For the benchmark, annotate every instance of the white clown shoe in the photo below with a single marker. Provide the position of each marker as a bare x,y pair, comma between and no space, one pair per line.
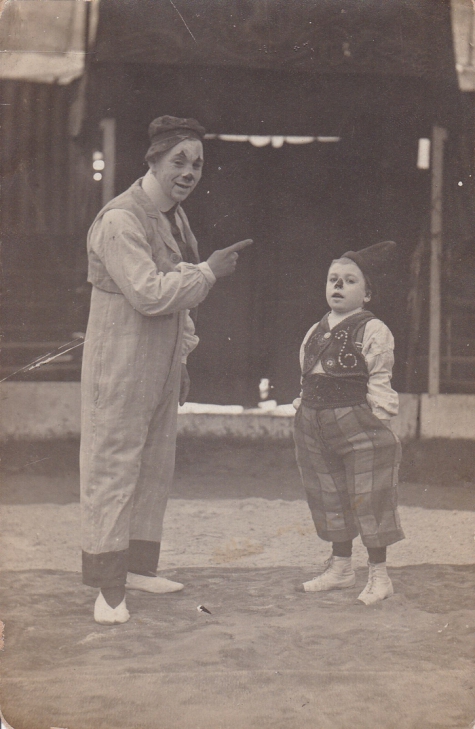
337,575
156,585
378,587
106,615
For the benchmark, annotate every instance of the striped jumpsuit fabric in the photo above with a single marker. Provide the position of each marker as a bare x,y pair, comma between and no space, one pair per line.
130,384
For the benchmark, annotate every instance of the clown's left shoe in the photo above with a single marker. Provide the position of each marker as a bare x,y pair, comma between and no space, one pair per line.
378,587
104,614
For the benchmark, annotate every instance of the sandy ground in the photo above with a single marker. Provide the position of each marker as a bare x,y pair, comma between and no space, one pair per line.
251,533
238,533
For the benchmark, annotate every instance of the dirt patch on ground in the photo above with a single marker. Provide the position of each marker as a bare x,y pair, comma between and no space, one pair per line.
268,656
238,533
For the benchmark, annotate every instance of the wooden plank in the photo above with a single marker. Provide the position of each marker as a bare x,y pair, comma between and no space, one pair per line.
8,130
49,367
108,150
459,359
460,302
459,384
33,345
57,175
415,303
43,170
26,117
439,135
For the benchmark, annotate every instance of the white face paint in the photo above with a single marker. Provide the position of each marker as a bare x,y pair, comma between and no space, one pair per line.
179,170
346,287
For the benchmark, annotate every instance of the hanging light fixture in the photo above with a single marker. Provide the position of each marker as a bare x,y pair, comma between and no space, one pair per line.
276,140
258,141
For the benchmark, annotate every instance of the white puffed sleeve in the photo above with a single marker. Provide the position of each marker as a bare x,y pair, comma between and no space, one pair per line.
378,351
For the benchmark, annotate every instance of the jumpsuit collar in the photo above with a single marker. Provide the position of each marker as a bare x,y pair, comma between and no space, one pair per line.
153,212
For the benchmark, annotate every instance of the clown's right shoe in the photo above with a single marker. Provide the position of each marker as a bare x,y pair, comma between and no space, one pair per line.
156,585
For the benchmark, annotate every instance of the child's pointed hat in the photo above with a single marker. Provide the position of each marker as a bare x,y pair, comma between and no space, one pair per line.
373,260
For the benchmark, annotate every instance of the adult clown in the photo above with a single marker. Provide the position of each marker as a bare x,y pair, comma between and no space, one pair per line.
146,277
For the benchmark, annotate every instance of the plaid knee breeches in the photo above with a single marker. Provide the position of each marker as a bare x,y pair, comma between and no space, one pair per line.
348,460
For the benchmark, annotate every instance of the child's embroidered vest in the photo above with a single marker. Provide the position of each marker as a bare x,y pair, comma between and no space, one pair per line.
345,376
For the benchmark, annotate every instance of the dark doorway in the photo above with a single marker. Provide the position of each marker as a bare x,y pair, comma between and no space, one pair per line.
302,204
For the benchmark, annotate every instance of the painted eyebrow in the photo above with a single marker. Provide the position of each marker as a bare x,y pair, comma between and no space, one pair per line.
182,157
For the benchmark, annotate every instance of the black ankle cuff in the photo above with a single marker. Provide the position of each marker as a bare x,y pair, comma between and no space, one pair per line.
143,557
113,595
376,555
342,549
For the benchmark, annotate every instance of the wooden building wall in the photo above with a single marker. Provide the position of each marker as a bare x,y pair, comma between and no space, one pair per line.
47,199
302,205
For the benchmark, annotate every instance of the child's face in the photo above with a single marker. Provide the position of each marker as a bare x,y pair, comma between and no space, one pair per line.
346,287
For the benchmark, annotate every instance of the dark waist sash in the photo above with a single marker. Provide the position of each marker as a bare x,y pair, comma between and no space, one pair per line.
323,391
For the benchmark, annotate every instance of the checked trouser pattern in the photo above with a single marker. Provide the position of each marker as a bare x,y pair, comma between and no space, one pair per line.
348,460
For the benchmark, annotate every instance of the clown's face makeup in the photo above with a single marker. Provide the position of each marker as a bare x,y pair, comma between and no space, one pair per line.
346,287
179,170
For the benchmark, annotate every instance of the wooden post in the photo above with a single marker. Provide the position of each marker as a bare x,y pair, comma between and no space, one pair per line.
108,150
439,136
414,310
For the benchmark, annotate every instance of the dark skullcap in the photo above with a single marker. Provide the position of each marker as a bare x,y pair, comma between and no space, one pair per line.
374,262
168,131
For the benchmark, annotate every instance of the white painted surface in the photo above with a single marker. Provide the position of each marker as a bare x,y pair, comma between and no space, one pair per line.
463,29
251,425
41,410
198,408
448,416
405,425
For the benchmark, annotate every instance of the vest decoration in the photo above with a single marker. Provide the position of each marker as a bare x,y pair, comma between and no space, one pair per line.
344,379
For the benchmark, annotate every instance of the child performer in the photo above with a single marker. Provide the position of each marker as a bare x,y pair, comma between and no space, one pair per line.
347,454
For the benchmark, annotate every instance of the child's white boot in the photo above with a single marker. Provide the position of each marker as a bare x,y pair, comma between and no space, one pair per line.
338,575
378,587
107,615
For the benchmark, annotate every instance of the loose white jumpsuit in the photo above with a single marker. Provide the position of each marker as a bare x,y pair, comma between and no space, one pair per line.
139,327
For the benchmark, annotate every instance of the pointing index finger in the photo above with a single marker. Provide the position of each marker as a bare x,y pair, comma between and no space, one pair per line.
240,245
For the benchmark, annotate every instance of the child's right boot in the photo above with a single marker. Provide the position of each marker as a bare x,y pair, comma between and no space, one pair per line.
337,575
379,585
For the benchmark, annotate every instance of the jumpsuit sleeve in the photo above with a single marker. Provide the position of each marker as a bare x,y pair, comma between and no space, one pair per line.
378,351
190,340
120,242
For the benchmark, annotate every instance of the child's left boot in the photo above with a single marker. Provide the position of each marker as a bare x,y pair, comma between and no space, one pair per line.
378,587
337,575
